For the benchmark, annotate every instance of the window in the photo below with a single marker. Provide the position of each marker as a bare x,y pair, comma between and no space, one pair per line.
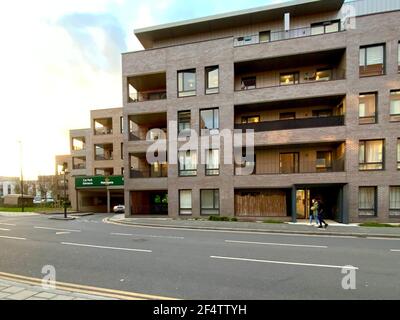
372,60
394,200
212,80
104,172
395,105
121,124
209,200
79,163
187,83
212,162
367,201
289,78
78,144
265,36
187,163
324,161
398,154
250,119
371,155
104,151
184,121
398,57
323,75
209,120
325,27
287,116
289,163
185,202
249,83
325,113
122,151
367,108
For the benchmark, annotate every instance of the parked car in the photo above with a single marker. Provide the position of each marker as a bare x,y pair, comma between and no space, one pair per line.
37,200
48,200
119,209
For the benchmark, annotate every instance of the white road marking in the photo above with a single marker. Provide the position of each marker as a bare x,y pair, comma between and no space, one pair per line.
395,250
55,229
1,229
286,263
377,238
103,247
12,238
238,232
8,224
276,244
60,233
145,235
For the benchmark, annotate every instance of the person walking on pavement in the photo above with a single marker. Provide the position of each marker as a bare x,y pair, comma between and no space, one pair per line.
314,212
321,212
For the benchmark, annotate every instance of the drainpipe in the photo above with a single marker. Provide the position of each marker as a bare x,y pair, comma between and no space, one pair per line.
294,213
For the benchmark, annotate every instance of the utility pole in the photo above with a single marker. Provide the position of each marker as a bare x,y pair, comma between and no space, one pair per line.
65,189
21,177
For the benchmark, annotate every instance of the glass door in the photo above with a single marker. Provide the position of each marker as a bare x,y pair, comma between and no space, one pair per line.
303,204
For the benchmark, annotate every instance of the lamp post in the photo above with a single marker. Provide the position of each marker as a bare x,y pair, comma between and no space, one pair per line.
64,171
21,177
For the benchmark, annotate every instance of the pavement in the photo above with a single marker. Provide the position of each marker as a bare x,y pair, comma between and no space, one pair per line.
100,258
334,229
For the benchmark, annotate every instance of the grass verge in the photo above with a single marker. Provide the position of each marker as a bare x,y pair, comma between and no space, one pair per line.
378,225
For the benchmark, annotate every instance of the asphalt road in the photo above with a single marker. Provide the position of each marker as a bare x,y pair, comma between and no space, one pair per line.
194,264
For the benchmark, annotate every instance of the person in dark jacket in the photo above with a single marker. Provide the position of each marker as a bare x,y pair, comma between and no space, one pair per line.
321,213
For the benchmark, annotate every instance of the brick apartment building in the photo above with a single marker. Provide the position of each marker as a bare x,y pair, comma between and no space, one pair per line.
320,88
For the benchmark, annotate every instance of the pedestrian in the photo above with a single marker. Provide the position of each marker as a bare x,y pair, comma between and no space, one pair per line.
314,212
321,212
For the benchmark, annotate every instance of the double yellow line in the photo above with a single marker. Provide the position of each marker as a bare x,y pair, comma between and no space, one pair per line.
93,291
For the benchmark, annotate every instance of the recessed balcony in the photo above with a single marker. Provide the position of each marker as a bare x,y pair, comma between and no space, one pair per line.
141,168
147,87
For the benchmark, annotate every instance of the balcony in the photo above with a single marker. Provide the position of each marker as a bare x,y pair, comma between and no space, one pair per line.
103,152
103,126
291,114
147,87
145,127
286,71
141,168
304,159
266,36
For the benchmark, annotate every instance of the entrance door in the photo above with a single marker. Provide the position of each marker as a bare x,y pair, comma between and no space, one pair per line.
303,203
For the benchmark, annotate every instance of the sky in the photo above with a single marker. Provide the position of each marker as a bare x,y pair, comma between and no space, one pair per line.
59,59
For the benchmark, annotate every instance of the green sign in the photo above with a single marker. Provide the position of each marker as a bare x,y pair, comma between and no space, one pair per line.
99,182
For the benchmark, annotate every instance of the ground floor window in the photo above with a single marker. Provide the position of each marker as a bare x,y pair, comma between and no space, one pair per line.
367,201
395,201
185,202
209,201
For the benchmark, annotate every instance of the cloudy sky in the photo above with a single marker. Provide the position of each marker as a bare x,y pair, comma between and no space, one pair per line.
61,58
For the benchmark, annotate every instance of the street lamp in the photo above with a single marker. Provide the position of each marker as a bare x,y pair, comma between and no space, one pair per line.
64,171
21,177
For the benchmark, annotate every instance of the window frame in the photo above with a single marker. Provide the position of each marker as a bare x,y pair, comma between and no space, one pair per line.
375,209
181,210
364,163
325,24
180,171
186,93
375,117
204,131
398,153
296,78
211,90
395,117
190,122
212,171
202,210
365,48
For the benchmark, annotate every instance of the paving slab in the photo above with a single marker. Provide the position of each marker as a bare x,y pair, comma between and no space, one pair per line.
23,295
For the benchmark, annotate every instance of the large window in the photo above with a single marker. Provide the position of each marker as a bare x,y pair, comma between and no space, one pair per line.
372,60
209,200
212,162
187,163
185,202
371,155
325,27
395,105
289,162
184,120
209,120
394,201
367,201
78,143
187,83
289,78
324,161
212,80
367,108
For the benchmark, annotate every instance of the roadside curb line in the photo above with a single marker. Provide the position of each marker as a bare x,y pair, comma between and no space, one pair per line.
357,235
82,289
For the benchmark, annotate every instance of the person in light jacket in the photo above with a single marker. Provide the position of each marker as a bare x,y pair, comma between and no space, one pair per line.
314,212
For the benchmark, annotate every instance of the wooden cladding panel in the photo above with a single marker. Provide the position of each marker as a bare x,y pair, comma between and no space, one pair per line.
265,203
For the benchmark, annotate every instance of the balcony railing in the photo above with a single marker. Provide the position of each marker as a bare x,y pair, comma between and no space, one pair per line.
147,96
276,36
142,135
103,131
150,172
317,122
79,166
276,167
